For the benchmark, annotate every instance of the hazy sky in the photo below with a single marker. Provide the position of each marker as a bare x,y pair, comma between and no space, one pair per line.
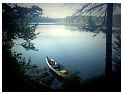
58,10
55,10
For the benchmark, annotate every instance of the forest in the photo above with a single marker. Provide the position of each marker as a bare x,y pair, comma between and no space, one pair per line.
81,20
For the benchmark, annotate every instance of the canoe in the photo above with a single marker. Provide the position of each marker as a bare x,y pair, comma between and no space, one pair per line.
57,67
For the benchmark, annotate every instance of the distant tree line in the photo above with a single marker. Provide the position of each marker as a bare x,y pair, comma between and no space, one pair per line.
47,20
80,20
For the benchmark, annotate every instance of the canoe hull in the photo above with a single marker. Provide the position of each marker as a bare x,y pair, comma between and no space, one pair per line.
58,72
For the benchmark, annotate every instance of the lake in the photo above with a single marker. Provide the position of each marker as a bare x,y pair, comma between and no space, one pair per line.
76,49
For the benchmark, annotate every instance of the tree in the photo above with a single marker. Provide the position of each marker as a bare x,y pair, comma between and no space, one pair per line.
16,23
106,10
108,65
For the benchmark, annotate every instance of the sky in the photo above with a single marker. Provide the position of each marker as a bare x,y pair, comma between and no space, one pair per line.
55,10
58,10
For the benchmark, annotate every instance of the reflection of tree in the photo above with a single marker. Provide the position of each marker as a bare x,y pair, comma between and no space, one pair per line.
16,21
106,10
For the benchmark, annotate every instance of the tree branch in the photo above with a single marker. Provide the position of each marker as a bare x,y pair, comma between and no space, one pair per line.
87,10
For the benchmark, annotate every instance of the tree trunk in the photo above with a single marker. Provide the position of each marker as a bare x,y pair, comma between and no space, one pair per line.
108,65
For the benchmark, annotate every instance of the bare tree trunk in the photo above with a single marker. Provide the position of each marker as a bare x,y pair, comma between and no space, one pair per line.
108,65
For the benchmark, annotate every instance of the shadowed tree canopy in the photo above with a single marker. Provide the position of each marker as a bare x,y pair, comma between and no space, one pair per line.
16,23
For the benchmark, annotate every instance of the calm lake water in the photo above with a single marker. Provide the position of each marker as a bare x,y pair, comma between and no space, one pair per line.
75,49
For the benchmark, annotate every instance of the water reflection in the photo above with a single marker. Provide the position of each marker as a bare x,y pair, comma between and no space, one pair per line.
77,51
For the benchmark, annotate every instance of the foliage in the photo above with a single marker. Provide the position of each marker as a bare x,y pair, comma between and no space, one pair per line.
22,63
28,46
97,11
14,78
117,52
94,84
72,81
16,23
80,20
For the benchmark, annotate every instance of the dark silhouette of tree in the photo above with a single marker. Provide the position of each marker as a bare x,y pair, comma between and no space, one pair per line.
16,23
108,65
106,10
